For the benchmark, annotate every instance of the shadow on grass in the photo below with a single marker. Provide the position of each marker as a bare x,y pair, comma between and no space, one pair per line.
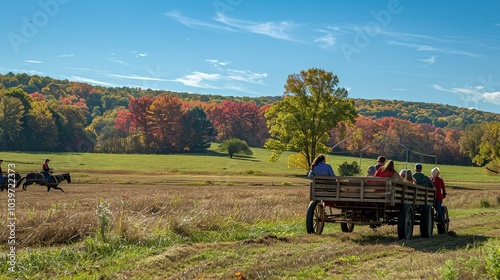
460,188
226,155
245,158
436,243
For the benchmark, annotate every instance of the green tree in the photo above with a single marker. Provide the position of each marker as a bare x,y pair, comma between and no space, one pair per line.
470,140
489,149
42,129
197,131
235,146
70,122
20,94
312,105
349,169
11,113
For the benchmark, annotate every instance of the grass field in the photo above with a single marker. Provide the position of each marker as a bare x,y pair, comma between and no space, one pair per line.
211,217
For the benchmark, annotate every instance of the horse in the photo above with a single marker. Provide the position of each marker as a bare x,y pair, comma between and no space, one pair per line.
9,179
52,182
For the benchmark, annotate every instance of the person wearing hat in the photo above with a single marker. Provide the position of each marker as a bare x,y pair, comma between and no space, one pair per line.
420,179
46,170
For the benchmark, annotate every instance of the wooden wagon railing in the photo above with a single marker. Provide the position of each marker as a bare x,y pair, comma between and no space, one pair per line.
369,190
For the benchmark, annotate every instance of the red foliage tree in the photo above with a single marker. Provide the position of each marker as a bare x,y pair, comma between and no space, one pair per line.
164,117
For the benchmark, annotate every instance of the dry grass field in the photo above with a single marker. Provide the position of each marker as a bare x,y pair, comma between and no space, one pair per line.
113,225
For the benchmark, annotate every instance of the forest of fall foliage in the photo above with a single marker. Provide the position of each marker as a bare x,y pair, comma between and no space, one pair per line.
45,114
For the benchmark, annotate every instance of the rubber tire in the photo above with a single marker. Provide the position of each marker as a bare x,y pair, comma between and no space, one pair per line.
406,220
315,217
444,227
347,227
426,221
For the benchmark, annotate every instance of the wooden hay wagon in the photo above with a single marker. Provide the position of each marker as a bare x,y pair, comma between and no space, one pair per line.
372,201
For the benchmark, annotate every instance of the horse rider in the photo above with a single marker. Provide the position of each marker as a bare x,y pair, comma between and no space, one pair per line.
46,170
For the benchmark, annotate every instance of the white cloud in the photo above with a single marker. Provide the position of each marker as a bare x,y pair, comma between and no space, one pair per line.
217,63
245,76
193,23
429,61
325,41
117,61
33,61
140,54
278,30
135,77
199,79
79,68
472,95
230,79
492,97
399,89
92,81
66,55
420,47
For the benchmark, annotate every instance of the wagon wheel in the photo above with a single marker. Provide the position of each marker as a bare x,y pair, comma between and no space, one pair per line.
346,227
405,222
426,221
444,226
315,218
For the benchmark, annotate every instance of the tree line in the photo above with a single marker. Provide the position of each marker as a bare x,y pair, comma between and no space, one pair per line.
44,114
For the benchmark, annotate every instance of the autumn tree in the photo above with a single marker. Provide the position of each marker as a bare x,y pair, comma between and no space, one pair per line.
242,120
164,117
312,105
138,108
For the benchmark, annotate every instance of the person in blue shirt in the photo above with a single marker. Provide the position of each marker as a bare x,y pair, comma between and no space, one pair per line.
319,167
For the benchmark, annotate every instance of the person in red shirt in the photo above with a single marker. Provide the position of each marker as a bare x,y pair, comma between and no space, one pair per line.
46,169
440,191
388,171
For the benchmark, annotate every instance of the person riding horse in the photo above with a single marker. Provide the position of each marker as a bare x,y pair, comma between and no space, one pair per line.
47,171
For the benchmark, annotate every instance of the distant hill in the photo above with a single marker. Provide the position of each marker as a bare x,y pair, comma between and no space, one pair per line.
439,115
106,98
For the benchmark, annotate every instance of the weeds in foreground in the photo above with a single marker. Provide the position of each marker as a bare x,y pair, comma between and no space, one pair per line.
129,226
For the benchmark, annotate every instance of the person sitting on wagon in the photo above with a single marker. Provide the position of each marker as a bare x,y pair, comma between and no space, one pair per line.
420,179
388,171
370,172
440,191
380,162
319,167
406,176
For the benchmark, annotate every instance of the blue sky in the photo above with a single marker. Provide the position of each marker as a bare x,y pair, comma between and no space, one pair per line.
444,52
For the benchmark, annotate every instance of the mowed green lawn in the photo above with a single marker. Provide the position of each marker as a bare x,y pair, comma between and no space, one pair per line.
215,163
